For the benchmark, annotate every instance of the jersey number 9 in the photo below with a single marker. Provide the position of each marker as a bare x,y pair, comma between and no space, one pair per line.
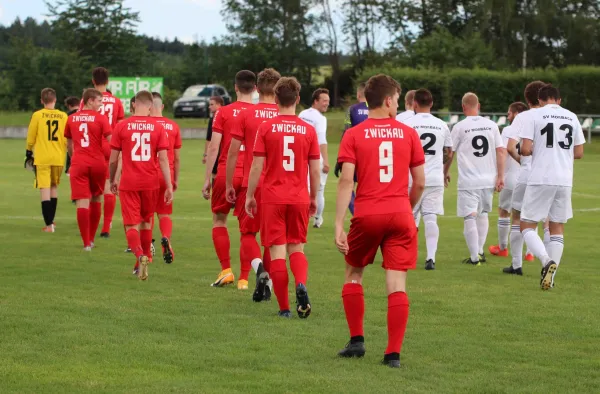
386,160
481,146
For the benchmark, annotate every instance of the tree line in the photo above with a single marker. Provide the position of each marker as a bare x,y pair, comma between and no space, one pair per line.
297,37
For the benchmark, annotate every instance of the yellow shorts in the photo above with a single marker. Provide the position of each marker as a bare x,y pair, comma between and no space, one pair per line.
47,176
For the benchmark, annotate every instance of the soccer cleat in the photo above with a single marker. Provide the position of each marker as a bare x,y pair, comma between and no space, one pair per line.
87,249
152,248
128,250
318,222
303,303
267,296
547,281
225,278
429,265
92,245
287,314
262,278
529,257
513,271
391,360
482,258
48,229
242,284
136,268
168,255
104,235
143,269
469,261
356,349
496,251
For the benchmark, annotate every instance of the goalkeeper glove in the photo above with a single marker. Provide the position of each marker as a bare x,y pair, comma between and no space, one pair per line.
28,160
337,170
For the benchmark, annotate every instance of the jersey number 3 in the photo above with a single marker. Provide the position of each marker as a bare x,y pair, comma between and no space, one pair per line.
141,150
386,160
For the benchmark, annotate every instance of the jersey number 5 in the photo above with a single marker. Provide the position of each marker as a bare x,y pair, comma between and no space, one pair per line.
288,154
141,150
386,160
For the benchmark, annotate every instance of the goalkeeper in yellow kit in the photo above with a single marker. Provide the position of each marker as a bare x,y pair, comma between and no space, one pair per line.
46,150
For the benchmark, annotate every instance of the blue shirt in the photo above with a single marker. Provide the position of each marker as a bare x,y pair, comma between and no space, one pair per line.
356,114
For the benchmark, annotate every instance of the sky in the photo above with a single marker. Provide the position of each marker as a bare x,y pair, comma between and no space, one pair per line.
188,20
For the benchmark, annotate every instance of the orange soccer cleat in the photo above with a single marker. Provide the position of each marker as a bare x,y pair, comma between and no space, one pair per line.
529,257
496,251
48,229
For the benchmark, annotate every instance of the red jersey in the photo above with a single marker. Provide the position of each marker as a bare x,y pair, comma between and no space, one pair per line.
112,108
245,130
287,143
223,124
383,151
139,139
88,130
174,137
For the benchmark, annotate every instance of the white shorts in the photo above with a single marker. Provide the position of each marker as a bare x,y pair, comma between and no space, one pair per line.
517,196
505,199
322,181
431,202
543,201
469,201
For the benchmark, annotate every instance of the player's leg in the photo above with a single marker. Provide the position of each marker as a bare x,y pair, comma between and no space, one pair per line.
220,236
165,223
55,174
467,205
296,230
486,197
546,232
148,200
110,202
560,212
432,205
83,221
318,220
279,275
516,238
43,183
273,236
131,208
96,186
81,193
504,208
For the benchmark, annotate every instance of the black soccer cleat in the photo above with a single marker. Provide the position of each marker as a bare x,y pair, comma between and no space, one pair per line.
513,271
353,349
303,303
168,255
469,261
128,250
429,265
262,278
482,258
391,360
547,281
104,235
267,296
286,314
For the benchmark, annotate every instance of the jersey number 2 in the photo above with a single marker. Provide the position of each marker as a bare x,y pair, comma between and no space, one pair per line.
141,150
386,160
429,143
52,129
288,154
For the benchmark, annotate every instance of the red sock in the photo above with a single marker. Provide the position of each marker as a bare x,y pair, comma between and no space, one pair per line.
220,238
83,220
299,267
267,260
110,201
249,250
95,214
152,223
166,226
279,275
397,317
354,307
146,241
134,242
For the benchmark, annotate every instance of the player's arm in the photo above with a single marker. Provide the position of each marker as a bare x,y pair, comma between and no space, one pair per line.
257,166
418,184
113,164
315,179
32,131
176,166
163,161
232,156
578,141
526,147
344,195
513,151
213,151
70,147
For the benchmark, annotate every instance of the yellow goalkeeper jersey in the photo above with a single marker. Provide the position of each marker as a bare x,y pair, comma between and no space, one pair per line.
46,137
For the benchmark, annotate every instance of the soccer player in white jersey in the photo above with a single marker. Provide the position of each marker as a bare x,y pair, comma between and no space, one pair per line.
553,141
478,146
510,179
519,122
437,146
314,116
408,106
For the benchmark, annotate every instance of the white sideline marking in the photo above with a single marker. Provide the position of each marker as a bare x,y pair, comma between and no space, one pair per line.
584,195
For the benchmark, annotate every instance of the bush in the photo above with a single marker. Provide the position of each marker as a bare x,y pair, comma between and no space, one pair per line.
579,89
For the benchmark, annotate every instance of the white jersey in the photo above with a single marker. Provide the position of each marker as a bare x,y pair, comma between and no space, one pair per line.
475,140
435,136
522,122
315,118
512,168
555,133
403,116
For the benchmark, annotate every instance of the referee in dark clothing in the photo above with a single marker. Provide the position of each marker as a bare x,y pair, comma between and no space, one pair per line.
72,105
216,102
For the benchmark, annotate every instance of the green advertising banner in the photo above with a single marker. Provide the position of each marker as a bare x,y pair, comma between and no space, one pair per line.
125,88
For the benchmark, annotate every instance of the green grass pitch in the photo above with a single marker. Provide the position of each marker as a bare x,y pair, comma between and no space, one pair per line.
80,322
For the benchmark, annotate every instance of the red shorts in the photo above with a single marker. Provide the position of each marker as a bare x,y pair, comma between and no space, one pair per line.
161,207
249,225
218,201
395,233
137,206
107,170
283,224
86,181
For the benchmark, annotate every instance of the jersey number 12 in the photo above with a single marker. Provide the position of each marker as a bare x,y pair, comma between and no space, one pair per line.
52,129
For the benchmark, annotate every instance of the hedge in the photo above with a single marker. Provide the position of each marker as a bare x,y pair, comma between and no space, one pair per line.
579,86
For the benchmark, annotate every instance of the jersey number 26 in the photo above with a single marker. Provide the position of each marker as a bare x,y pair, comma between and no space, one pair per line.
141,150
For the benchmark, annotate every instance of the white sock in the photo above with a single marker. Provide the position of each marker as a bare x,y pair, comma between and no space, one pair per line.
432,235
516,246
503,230
472,238
555,248
320,202
483,225
535,244
546,237
255,263
417,219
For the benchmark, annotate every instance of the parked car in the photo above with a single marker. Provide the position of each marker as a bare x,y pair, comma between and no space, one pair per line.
194,101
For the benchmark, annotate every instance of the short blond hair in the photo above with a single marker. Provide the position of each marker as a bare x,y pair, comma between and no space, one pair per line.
470,100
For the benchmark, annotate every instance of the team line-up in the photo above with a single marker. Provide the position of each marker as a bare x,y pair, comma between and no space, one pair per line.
257,163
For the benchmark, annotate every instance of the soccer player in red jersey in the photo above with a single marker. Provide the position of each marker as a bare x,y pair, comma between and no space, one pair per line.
164,210
285,148
244,133
86,130
382,151
112,108
225,118
139,140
